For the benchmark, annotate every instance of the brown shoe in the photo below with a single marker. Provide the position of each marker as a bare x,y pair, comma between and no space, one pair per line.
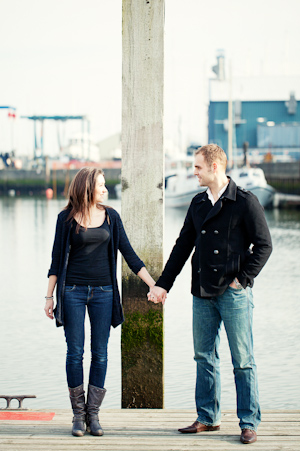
248,436
198,427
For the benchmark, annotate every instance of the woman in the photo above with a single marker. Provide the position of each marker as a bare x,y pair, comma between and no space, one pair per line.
83,269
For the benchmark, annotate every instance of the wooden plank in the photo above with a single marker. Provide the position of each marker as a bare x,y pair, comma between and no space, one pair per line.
111,436
148,430
66,431
155,426
224,446
124,417
147,421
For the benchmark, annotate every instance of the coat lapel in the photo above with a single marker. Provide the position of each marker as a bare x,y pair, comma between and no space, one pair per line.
214,211
230,193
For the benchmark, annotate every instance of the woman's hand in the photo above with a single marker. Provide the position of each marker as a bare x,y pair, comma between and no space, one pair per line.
145,276
157,294
49,308
49,298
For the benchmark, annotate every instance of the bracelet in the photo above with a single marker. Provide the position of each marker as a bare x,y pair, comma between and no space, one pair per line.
48,297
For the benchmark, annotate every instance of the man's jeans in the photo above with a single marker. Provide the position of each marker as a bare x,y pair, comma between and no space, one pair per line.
234,308
99,301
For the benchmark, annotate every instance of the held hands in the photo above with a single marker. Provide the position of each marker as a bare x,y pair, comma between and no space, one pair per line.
157,294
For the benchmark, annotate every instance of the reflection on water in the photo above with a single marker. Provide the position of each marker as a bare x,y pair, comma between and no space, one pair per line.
33,349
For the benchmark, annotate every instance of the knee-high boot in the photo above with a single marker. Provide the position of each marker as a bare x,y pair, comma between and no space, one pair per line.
79,410
94,401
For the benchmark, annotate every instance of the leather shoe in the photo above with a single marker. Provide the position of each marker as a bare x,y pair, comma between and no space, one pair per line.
248,436
198,427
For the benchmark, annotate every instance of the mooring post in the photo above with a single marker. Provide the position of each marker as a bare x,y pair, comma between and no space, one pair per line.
142,198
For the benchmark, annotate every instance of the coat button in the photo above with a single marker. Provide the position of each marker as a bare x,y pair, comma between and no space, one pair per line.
216,232
215,270
216,251
203,232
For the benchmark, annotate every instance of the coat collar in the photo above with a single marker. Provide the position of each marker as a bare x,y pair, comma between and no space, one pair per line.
230,192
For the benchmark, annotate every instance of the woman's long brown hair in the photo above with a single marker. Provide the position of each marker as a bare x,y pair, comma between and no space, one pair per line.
81,194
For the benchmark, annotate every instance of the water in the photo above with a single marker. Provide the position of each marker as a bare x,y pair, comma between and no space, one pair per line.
32,354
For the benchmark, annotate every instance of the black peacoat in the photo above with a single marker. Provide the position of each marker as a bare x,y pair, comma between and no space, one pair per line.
230,239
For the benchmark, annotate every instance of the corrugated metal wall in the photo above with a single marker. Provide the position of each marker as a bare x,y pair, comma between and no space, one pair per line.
287,135
274,111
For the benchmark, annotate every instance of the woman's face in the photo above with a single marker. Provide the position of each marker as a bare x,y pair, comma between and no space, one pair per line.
100,189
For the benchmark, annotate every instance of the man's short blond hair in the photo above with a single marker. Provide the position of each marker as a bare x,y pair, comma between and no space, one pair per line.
213,153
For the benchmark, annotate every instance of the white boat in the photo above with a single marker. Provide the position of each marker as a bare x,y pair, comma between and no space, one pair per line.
118,190
180,188
181,185
253,179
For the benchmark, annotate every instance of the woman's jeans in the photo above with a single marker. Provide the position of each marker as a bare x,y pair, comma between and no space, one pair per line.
99,301
234,307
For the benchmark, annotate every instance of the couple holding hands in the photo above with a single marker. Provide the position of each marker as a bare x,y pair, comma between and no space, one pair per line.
226,229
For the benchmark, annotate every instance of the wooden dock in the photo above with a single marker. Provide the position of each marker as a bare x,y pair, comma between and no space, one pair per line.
149,430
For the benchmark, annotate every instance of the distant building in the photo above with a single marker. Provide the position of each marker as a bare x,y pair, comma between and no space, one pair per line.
82,146
265,115
268,126
111,148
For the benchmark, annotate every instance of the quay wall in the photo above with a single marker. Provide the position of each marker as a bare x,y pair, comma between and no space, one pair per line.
37,181
284,177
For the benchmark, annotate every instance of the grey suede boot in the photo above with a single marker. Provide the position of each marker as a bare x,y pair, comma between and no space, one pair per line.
79,410
94,401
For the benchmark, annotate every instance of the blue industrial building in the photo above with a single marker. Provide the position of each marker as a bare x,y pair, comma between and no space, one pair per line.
270,127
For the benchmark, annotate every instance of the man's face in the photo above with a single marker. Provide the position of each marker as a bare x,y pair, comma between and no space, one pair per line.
204,173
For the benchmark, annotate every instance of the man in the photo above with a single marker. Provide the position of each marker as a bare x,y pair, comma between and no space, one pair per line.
226,227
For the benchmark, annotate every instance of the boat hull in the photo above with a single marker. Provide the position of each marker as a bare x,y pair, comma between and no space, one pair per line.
181,199
265,195
176,200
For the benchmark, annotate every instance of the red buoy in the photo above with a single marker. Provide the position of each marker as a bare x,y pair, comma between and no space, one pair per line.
49,193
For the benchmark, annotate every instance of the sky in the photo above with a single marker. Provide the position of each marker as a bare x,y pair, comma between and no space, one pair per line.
64,57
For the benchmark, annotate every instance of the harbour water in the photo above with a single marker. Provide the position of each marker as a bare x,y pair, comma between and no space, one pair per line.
32,349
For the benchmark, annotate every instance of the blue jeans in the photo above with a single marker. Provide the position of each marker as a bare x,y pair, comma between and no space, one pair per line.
99,301
235,308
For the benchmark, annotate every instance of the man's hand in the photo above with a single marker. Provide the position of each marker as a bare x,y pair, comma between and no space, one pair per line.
157,294
234,285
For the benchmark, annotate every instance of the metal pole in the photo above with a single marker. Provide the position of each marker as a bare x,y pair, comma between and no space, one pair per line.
89,138
230,159
82,138
42,138
35,140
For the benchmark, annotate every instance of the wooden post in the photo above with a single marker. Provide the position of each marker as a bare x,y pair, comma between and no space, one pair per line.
142,198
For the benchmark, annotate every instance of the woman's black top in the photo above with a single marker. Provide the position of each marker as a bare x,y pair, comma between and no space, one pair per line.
61,253
89,261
